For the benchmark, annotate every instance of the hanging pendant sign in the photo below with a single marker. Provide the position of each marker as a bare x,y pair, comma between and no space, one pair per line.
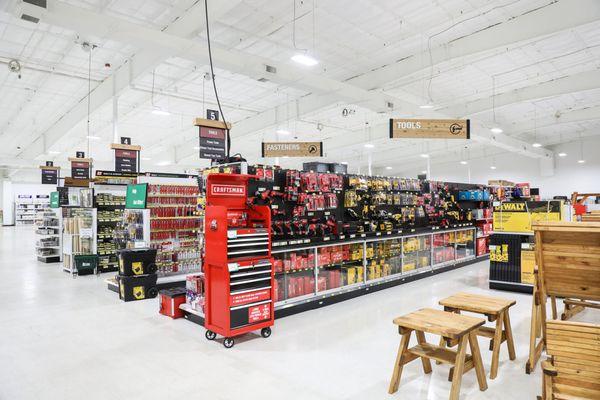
212,138
430,129
127,156
292,149
50,174
80,167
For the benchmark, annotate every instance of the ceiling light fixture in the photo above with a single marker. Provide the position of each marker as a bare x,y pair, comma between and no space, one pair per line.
344,162
146,158
283,132
388,168
92,137
562,154
581,161
536,144
163,163
53,152
424,155
160,111
496,129
427,106
369,145
304,59
463,162
424,171
493,167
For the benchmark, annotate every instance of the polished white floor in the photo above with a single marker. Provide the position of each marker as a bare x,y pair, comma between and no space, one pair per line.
64,338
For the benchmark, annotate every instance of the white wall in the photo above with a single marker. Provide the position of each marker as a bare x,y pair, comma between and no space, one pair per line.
569,176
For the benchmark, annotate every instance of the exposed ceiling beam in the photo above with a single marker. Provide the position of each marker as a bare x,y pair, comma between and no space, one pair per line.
546,20
97,25
583,81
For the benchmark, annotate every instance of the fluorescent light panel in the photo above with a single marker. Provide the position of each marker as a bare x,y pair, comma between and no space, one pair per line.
305,60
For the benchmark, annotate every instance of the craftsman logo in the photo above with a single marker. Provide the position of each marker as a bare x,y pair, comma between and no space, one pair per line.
228,190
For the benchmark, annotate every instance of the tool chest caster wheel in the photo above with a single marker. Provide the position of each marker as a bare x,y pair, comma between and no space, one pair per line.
265,332
228,343
210,335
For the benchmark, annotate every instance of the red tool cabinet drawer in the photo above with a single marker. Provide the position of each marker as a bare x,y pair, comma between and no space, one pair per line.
250,314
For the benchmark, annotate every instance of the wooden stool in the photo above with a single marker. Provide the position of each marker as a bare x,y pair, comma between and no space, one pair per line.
451,327
495,309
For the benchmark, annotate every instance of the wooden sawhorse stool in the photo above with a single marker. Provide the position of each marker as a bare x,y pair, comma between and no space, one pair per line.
450,326
495,309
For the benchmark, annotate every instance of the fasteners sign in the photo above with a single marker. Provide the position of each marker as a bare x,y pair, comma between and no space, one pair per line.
292,149
430,129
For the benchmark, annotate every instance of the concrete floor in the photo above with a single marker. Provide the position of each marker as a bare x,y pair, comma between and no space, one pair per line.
64,338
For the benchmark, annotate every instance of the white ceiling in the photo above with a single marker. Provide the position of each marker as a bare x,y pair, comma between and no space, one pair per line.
409,52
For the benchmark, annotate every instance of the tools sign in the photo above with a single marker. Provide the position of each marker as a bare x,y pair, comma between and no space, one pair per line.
212,136
430,128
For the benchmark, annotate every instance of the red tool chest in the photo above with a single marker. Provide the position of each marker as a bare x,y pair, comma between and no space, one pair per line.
237,265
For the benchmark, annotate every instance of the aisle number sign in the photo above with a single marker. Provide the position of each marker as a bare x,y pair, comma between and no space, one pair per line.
430,128
136,196
292,149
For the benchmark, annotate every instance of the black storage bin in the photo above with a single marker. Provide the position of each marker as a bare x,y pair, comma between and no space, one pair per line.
86,264
315,166
140,287
338,168
135,262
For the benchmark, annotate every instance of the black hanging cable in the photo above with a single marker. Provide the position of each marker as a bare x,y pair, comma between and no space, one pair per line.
88,98
212,73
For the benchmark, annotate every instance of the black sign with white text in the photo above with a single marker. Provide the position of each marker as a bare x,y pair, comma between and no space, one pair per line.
49,176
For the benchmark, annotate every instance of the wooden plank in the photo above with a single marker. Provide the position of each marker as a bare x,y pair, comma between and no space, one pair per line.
211,123
435,352
84,160
477,303
448,325
578,327
399,364
119,146
458,369
425,361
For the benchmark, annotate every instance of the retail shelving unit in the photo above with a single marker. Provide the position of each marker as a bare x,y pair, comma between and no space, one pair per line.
49,237
169,222
27,207
78,235
109,200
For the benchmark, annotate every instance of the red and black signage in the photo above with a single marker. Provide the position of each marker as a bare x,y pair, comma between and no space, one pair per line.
212,143
80,170
126,160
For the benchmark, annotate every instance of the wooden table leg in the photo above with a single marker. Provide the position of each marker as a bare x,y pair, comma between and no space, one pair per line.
426,362
554,309
458,368
509,336
476,355
496,349
395,382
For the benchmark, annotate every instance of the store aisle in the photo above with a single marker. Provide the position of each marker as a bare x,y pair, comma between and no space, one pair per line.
64,338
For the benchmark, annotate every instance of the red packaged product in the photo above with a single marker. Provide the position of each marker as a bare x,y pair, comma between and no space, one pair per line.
322,283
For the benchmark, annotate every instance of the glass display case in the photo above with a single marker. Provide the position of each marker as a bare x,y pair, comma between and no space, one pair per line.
312,272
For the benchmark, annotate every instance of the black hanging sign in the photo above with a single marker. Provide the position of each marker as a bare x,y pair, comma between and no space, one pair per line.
80,170
49,174
79,154
49,163
212,138
213,115
125,160
126,155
